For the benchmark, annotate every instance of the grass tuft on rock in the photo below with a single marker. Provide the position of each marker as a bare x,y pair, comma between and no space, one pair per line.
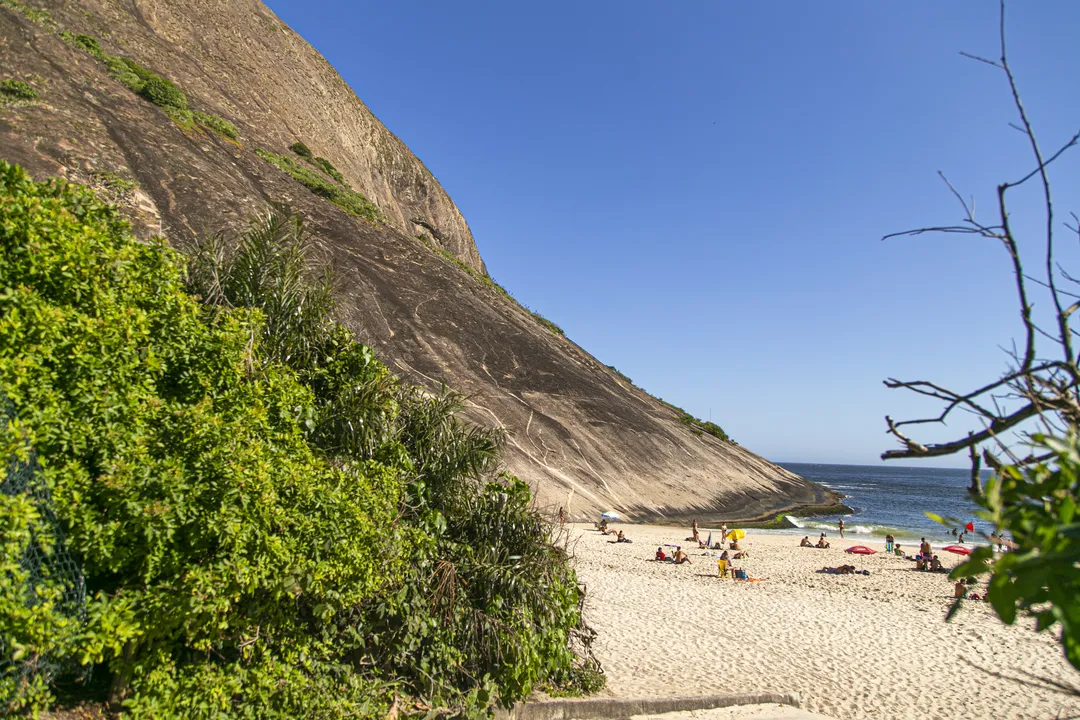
16,92
217,124
341,195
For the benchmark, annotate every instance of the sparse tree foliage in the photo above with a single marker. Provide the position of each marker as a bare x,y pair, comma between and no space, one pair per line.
1034,493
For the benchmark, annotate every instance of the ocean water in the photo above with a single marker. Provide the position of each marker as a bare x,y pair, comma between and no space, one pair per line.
889,498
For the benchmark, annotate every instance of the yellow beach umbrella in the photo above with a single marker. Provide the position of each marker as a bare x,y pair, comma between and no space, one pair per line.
736,534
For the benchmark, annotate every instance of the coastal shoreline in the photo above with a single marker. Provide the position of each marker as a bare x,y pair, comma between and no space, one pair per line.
853,646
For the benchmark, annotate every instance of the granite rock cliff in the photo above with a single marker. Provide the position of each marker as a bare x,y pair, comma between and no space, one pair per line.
579,432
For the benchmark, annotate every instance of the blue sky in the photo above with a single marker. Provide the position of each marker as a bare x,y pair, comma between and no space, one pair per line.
696,191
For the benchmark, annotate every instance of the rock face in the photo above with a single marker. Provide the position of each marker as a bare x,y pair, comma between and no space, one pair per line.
579,433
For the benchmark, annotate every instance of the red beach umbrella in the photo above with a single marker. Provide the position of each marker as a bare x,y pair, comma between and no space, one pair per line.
957,549
860,550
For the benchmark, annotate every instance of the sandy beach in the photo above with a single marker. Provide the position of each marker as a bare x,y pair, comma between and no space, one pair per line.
853,646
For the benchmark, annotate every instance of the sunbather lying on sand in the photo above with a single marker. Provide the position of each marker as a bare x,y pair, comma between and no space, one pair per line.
843,570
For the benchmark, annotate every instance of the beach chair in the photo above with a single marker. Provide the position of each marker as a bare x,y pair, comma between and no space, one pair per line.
722,566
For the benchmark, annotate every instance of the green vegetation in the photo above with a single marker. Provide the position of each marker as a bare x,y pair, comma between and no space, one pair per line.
699,427
330,170
16,92
216,124
1037,506
303,151
157,89
33,14
267,522
343,196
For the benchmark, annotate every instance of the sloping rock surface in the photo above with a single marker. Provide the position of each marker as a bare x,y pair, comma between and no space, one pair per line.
579,433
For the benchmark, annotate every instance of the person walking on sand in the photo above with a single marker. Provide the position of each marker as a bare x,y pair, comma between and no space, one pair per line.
841,526
562,516
694,536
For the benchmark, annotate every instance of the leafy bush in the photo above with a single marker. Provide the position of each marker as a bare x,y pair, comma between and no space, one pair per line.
330,170
302,150
1038,506
344,197
464,610
270,525
17,90
84,42
145,82
217,124
219,546
163,93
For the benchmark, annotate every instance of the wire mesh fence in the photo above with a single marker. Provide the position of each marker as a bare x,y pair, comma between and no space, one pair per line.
45,560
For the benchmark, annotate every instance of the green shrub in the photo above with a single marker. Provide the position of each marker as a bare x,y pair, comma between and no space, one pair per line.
84,42
224,556
344,197
302,150
1038,506
326,167
33,14
17,90
162,93
462,611
269,524
217,124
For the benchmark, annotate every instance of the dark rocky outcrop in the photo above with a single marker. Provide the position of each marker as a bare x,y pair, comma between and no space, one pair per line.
575,425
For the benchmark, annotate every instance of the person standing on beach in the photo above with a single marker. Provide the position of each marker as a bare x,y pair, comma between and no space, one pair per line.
924,548
723,532
562,516
889,540
841,525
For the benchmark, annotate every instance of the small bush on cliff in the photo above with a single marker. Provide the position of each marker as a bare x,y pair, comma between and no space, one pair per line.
16,91
343,196
217,124
302,150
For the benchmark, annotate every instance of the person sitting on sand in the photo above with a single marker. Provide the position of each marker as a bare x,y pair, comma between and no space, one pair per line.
889,540
920,563
959,589
621,539
898,551
681,557
735,545
660,554
935,565
822,542
806,542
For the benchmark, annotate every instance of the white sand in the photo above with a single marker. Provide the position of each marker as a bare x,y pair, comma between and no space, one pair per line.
853,646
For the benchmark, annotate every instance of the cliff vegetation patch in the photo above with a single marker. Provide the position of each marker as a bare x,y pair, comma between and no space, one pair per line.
153,87
341,194
16,92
